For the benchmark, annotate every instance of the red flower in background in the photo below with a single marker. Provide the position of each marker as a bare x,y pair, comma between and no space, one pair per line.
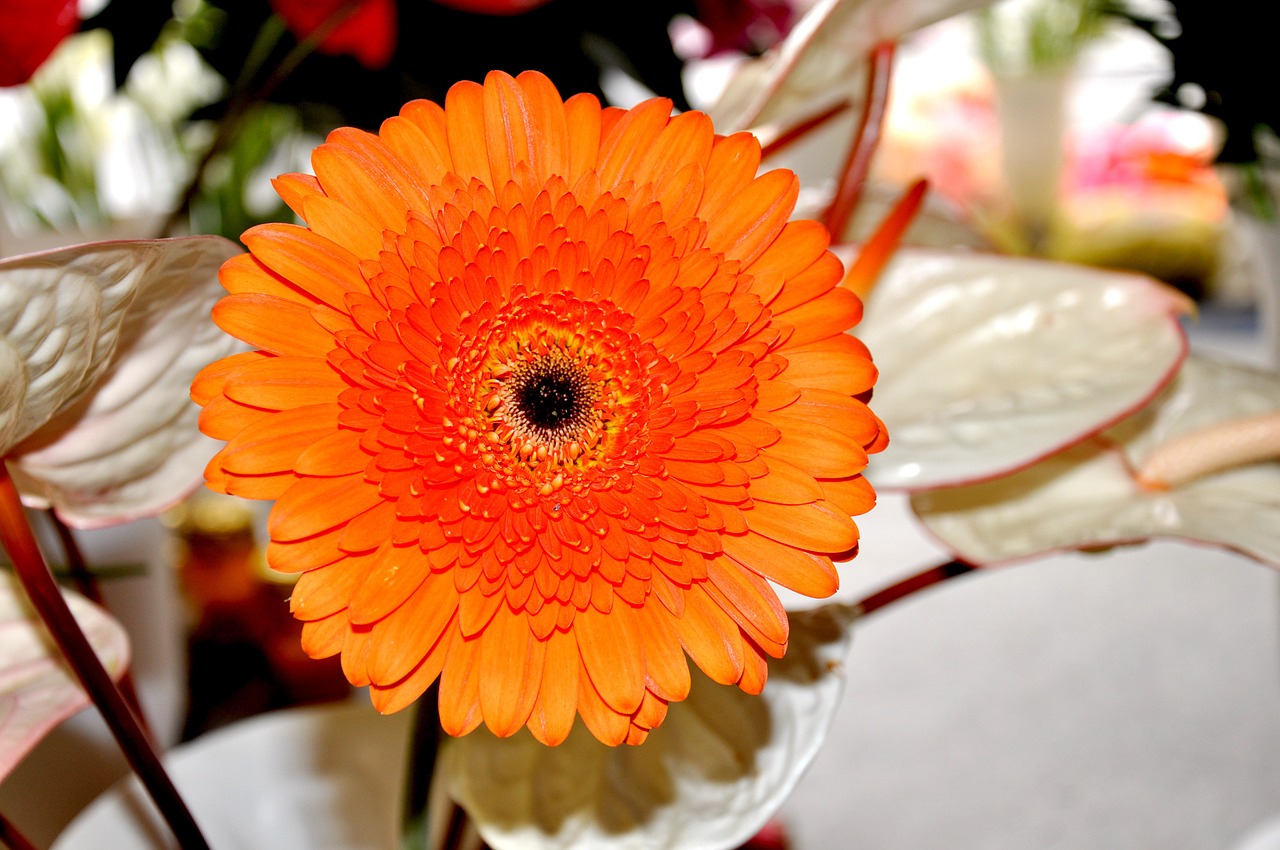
367,32
29,31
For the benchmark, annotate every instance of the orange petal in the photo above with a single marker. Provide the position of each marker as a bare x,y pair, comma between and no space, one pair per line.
317,266
356,169
819,527
429,118
389,699
396,573
460,686
582,114
816,449
339,223
338,453
511,661
407,634
854,496
711,637
826,316
609,727
833,364
613,655
755,671
732,165
273,324
294,189
274,445
547,118
800,244
833,410
756,217
323,638
685,140
666,670
285,383
556,705
804,572
464,119
752,596
209,382
407,140
627,144
325,591
785,483
314,505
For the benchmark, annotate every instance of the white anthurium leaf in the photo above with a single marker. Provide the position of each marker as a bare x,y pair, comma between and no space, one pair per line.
37,691
111,335
709,777
818,60
989,363
1090,495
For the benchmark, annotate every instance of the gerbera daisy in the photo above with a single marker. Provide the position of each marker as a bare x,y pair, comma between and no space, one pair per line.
546,395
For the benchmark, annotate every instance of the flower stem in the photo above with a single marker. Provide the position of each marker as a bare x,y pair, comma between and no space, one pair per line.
876,252
796,132
853,176
87,584
32,571
10,836
914,584
424,747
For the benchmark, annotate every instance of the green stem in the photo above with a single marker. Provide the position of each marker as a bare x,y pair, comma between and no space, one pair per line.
853,176
10,836
29,565
913,584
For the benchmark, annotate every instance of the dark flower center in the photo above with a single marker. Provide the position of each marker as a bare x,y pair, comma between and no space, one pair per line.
551,398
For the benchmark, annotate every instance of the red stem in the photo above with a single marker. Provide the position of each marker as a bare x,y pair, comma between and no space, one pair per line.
87,583
853,176
11,838
29,565
799,131
917,582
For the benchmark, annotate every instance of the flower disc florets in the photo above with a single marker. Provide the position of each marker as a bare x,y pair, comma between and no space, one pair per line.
544,395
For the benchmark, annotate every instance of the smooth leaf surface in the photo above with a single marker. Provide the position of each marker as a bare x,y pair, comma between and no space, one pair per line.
988,363
1088,496
719,766
37,691
98,346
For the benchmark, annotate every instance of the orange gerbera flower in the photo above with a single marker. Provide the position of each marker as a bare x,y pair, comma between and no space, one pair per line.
544,394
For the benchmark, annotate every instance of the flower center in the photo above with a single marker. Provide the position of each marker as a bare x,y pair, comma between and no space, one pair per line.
549,398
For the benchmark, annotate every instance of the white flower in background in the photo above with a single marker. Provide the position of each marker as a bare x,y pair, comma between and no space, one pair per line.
36,692
98,344
1198,463
709,777
989,363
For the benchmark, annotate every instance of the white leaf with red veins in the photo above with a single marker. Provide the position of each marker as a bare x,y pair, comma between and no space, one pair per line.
1089,495
988,364
37,692
709,777
98,346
